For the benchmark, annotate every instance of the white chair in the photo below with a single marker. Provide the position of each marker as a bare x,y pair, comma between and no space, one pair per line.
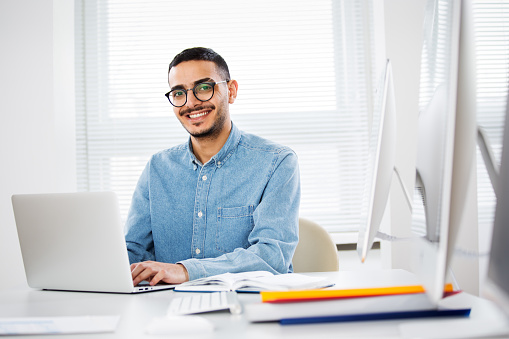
316,252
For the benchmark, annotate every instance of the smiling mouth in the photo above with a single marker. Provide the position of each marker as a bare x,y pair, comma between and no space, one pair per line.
197,112
197,115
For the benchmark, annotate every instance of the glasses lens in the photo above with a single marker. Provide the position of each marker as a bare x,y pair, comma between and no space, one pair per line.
204,91
178,97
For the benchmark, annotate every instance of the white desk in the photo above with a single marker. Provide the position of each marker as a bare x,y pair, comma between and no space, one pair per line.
137,311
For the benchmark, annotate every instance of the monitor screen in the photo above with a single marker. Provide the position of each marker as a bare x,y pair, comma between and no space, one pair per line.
382,150
445,157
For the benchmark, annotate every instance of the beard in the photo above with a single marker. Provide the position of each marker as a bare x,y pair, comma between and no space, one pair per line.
215,129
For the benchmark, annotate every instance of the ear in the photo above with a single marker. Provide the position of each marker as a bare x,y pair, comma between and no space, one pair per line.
233,87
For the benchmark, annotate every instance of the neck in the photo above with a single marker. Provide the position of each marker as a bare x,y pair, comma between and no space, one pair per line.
204,148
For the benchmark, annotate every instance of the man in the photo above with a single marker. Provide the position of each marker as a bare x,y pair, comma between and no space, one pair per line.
225,201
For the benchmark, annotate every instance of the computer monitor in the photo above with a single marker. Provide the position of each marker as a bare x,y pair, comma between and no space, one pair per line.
445,160
382,153
496,285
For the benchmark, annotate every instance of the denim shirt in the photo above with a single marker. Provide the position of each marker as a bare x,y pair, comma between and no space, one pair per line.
238,212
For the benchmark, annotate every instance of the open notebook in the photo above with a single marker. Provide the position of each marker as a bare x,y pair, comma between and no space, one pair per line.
255,281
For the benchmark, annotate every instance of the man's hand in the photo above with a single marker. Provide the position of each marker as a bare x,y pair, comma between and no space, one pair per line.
155,272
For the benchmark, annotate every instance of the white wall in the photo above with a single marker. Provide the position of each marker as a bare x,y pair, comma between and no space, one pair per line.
37,143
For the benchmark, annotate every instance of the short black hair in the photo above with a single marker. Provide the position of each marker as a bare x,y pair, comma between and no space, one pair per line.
203,54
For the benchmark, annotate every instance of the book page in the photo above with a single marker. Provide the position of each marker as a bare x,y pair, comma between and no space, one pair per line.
221,282
282,282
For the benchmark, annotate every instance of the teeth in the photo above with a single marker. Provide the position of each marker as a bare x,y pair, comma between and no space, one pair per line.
193,116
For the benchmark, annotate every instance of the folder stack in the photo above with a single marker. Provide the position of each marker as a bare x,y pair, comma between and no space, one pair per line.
339,305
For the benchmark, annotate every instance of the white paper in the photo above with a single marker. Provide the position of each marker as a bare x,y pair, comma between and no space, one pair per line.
58,325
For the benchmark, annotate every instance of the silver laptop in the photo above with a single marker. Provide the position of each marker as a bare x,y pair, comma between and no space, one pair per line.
74,242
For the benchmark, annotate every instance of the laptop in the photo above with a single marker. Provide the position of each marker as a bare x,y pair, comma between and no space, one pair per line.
74,242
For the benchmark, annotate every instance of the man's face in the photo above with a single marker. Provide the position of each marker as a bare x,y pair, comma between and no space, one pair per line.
201,119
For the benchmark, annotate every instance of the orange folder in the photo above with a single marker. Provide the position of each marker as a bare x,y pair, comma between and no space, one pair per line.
322,294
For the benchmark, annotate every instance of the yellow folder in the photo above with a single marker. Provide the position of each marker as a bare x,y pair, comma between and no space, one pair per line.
319,294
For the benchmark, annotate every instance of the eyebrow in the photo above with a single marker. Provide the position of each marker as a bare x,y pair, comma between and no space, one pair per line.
194,83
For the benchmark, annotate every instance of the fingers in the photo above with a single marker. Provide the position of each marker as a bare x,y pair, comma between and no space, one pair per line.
156,272
143,271
158,277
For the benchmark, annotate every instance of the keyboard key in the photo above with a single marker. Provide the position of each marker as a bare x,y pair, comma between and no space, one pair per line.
204,302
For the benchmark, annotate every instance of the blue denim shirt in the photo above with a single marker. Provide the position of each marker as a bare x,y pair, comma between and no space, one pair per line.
238,212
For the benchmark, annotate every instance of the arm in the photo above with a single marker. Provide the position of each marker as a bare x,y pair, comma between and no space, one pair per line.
140,245
275,234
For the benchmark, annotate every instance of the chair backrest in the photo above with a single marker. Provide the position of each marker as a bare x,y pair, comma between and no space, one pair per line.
316,252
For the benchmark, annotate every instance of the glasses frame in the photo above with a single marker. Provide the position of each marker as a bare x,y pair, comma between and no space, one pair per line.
211,83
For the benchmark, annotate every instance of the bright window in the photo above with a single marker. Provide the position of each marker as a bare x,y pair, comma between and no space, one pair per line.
491,19
304,71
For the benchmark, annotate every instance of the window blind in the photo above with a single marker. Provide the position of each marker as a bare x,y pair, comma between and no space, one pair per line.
491,27
305,80
491,20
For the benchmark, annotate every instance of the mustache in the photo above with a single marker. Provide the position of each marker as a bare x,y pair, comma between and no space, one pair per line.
195,109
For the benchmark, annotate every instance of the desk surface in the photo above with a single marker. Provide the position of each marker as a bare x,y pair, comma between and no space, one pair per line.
137,311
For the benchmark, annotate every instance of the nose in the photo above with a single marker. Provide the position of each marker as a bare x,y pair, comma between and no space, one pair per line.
191,99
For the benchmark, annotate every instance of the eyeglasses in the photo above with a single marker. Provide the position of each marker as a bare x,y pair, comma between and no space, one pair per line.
204,91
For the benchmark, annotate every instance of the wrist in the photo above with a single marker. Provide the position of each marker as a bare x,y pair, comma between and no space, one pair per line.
186,274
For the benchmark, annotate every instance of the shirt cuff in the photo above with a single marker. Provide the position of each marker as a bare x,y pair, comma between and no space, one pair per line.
194,268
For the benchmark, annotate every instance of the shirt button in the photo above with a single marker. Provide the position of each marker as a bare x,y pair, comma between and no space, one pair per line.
219,163
198,251
204,177
200,214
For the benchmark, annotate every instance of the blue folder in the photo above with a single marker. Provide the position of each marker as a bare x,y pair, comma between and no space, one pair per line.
378,316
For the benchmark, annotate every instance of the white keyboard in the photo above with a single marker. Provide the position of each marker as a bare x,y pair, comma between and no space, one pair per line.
204,302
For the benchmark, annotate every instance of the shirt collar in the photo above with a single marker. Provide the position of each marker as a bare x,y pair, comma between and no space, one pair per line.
224,153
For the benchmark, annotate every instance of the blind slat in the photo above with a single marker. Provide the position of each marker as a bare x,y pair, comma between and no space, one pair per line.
296,87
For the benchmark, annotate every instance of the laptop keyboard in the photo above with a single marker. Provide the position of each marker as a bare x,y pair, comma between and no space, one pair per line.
204,302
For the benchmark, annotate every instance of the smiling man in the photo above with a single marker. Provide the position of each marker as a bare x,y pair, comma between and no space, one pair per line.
225,201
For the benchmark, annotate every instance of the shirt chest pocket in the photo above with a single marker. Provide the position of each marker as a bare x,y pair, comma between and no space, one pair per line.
233,227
